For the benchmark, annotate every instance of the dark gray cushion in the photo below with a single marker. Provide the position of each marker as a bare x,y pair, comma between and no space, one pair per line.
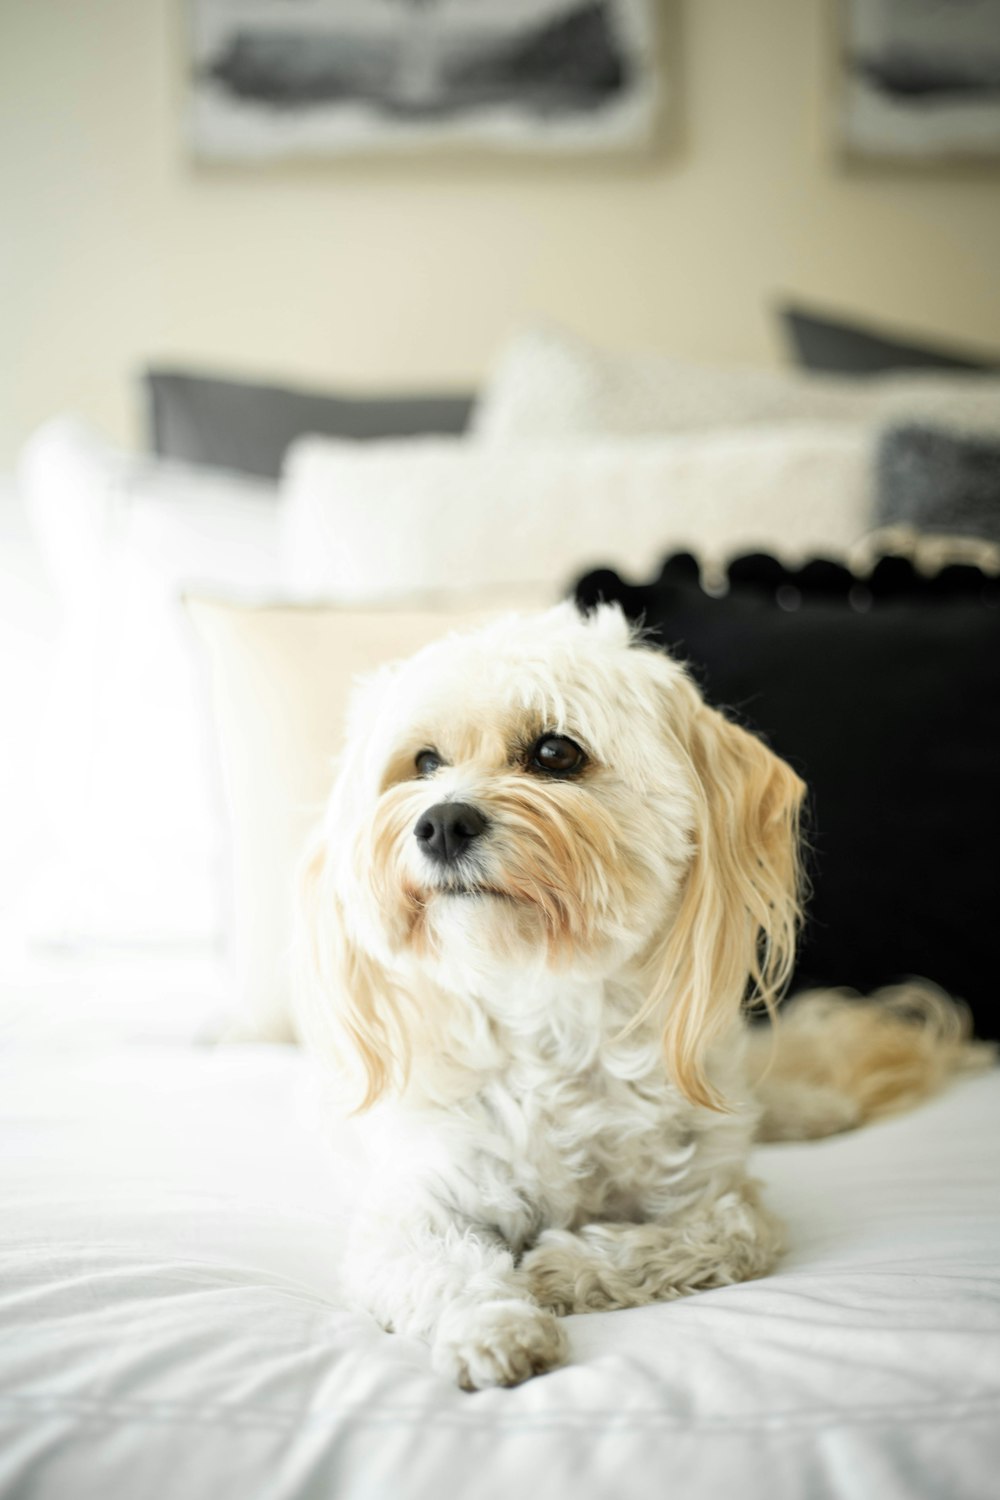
886,700
830,344
938,481
235,424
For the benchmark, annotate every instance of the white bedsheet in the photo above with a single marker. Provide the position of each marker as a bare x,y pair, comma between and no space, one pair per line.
171,1323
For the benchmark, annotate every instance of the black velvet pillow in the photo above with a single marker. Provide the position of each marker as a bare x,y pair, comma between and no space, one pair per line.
885,697
938,481
236,424
830,344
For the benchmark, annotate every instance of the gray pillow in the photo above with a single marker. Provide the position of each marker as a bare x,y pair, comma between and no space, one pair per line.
235,424
838,347
938,481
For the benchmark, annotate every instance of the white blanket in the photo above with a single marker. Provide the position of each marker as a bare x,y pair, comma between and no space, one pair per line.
171,1323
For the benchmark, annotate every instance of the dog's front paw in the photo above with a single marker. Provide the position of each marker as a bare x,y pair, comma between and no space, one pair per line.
497,1343
561,1279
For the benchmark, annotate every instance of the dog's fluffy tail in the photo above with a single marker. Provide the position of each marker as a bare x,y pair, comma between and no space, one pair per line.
834,1060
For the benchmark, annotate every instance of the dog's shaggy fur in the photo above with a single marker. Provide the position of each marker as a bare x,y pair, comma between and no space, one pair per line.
542,1020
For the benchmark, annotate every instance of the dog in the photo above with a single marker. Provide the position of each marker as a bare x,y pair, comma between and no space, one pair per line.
548,882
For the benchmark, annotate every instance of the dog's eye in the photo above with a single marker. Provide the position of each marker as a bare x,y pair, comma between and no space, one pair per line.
556,755
427,762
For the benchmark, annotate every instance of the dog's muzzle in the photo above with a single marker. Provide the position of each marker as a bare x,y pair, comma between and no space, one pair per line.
446,831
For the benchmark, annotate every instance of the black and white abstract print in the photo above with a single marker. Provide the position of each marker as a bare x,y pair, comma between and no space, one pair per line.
276,78
921,78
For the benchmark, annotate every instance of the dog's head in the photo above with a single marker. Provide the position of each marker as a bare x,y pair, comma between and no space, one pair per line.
546,795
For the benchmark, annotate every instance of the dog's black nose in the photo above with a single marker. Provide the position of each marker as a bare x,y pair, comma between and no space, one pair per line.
445,831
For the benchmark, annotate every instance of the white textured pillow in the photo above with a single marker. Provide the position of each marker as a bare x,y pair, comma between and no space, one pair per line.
126,765
375,522
550,385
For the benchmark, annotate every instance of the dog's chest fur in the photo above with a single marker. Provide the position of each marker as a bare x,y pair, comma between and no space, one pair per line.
565,1122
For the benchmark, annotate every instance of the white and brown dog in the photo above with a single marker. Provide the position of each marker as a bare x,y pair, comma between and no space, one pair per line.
547,881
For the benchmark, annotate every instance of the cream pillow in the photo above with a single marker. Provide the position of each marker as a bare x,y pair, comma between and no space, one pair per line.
281,678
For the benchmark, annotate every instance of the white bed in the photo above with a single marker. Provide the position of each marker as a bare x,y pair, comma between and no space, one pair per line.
172,1326
171,1215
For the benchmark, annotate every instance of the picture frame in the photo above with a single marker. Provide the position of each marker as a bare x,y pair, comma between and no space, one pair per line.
917,81
320,79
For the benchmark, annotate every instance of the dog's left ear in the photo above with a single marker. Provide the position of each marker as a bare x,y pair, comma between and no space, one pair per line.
733,938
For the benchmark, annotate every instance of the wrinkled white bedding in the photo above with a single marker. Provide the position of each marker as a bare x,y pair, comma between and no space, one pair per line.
171,1324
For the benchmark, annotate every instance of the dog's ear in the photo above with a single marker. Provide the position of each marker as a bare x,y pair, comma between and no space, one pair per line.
733,937
345,1006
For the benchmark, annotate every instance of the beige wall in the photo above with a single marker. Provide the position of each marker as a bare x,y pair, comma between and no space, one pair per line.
116,248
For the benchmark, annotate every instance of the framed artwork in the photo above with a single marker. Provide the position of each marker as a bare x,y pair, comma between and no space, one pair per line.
294,78
919,80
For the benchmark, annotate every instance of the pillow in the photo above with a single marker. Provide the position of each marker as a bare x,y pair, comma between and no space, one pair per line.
885,695
125,765
549,385
29,622
938,481
281,679
845,348
363,523
234,424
